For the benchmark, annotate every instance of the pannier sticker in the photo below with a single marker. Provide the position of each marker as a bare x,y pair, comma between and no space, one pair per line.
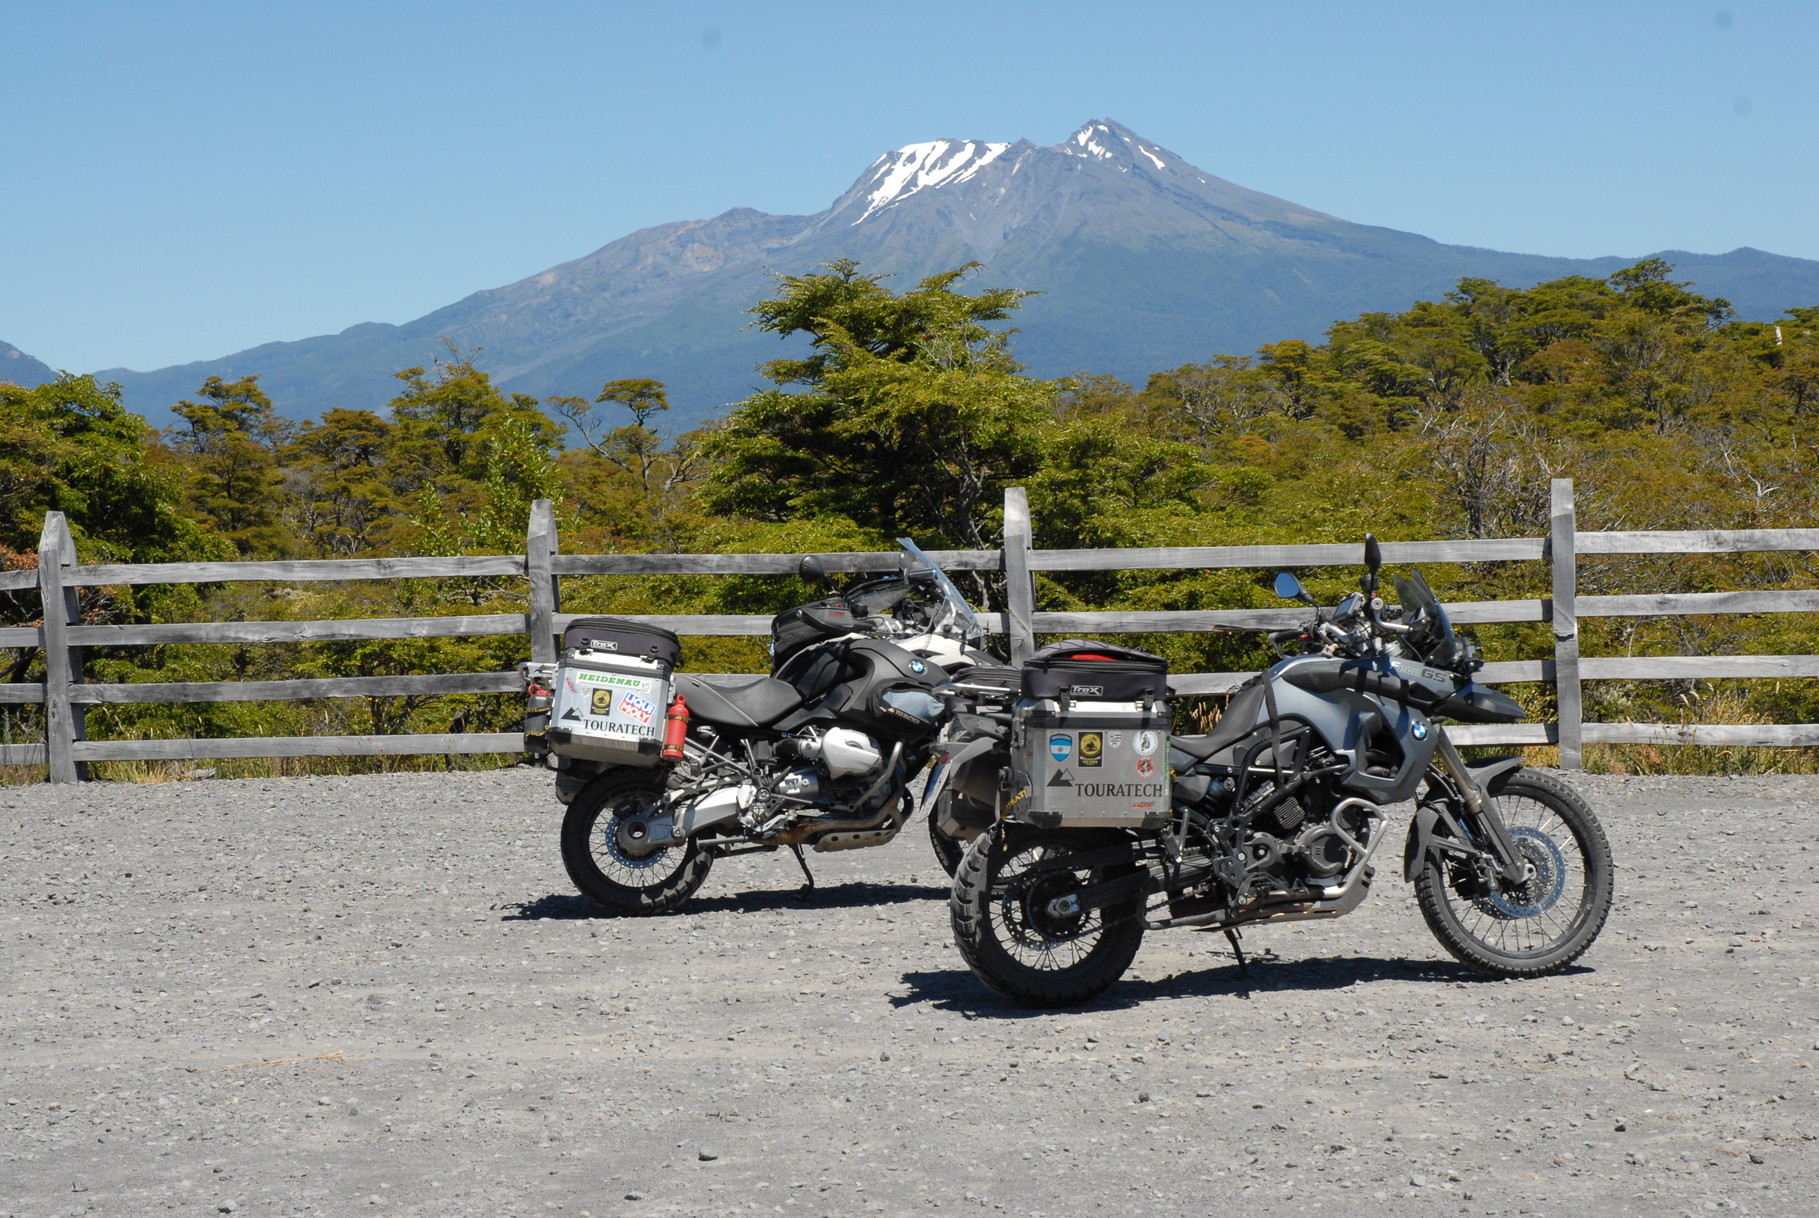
1146,743
1092,748
1145,766
637,708
1060,779
602,702
571,713
1060,746
1115,739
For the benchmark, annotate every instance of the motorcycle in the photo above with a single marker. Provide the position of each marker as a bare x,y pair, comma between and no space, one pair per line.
665,772
1275,815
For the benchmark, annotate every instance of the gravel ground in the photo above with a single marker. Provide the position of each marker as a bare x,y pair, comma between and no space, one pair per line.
379,995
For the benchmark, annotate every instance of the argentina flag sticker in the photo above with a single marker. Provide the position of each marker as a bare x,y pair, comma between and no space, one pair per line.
1060,746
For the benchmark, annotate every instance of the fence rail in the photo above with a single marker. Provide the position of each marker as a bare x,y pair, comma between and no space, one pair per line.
65,693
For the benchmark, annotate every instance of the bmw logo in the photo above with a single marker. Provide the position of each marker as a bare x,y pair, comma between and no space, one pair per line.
1419,731
917,666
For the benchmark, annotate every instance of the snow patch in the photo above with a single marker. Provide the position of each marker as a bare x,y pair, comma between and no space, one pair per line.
1087,138
1152,156
918,167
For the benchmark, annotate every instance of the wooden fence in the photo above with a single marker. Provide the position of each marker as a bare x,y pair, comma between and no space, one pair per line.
65,694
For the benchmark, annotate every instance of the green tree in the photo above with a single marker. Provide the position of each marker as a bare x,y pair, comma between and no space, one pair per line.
231,438
442,423
908,414
336,469
69,446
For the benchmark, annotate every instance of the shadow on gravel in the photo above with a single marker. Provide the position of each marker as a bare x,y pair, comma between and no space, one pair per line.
572,907
963,994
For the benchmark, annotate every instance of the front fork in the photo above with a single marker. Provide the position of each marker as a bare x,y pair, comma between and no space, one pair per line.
1512,868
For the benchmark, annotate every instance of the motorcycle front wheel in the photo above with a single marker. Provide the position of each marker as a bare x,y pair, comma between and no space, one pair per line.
1548,922
605,847
1012,923
948,850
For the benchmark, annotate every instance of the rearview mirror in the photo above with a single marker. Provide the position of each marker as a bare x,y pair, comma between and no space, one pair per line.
1289,588
812,570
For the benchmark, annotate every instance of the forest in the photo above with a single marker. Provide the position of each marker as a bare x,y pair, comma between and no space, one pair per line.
902,410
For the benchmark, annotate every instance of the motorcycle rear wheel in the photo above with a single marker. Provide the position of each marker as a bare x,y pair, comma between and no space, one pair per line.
1007,934
1549,922
601,851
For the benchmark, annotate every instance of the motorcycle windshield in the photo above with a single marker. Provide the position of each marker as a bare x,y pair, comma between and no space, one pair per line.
1432,634
954,618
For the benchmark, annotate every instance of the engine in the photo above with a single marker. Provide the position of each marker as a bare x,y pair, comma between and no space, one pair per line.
1298,839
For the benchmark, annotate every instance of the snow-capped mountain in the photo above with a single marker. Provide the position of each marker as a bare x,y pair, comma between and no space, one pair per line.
1143,261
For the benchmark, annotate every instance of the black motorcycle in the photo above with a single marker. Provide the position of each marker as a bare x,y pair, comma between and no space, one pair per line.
1274,816
664,772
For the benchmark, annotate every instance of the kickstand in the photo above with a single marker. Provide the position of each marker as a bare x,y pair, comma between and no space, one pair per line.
1244,968
809,887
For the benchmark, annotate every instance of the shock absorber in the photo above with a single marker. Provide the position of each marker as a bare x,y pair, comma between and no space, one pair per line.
675,729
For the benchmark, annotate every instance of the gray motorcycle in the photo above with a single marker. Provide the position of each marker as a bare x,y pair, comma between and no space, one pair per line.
1274,816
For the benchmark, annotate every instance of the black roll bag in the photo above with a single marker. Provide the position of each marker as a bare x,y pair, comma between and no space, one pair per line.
1086,670
621,636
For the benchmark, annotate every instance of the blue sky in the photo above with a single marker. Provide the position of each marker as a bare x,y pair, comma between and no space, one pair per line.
181,180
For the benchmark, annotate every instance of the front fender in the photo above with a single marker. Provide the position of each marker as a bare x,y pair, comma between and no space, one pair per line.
1489,776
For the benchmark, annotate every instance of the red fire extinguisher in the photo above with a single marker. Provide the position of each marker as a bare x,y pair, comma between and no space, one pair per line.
675,730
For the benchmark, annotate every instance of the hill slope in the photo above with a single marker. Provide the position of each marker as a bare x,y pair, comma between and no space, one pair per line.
21,369
1144,262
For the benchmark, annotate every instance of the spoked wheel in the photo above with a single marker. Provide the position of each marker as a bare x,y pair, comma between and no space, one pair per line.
607,849
1017,927
1544,924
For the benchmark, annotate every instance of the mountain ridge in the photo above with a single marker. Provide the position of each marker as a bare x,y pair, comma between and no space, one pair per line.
21,369
1143,261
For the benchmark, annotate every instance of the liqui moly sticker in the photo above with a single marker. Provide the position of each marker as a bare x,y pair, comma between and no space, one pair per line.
634,707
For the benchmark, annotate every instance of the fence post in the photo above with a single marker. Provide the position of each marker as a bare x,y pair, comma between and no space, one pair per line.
1566,625
1019,590
64,724
546,596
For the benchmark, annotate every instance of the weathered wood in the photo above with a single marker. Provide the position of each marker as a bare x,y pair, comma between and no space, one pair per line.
1767,735
17,581
1702,541
539,545
1712,668
300,632
296,690
1189,684
1019,590
729,624
22,754
1191,620
22,636
1684,604
1511,549
761,564
1502,733
61,726
299,570
22,692
299,746
1565,610
1507,672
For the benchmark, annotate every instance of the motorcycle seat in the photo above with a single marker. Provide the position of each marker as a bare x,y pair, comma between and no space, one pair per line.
738,701
1239,719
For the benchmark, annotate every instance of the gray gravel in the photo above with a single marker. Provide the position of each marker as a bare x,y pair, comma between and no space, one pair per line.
379,994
